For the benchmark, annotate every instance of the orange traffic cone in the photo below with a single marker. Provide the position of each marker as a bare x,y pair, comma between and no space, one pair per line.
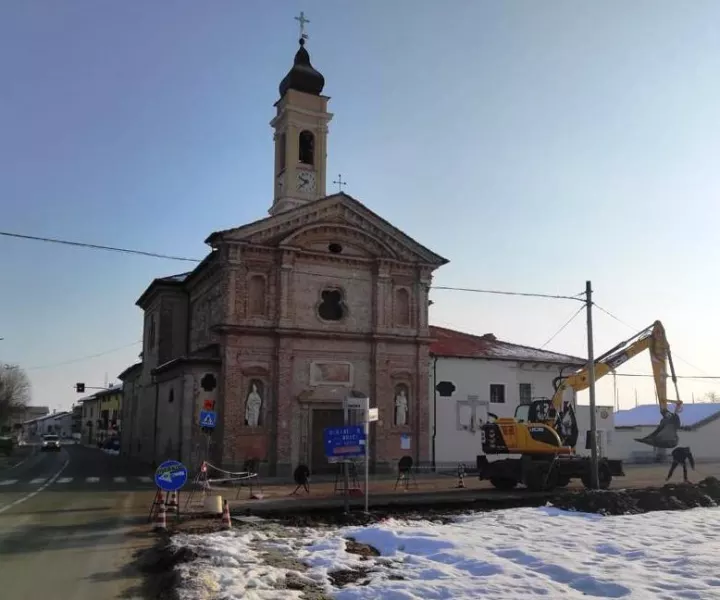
161,519
173,503
461,476
226,522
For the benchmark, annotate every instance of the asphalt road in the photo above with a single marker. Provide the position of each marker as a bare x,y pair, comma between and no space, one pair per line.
70,522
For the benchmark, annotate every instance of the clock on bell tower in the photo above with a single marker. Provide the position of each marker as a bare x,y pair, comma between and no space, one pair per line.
301,126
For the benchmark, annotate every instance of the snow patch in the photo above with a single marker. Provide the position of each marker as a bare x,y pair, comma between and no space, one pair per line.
504,555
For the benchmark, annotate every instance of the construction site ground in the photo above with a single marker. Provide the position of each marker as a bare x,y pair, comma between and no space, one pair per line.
421,490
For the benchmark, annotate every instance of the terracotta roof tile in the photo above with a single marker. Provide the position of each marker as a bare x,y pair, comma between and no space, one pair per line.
452,343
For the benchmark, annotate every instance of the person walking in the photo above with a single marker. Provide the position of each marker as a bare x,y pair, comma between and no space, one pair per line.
681,456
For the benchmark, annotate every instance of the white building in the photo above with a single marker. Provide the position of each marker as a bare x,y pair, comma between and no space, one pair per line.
59,423
700,431
472,376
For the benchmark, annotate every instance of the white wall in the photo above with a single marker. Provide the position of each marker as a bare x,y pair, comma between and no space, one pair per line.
457,438
605,423
704,443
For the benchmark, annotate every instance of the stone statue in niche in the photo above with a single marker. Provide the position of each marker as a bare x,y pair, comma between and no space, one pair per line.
401,406
253,404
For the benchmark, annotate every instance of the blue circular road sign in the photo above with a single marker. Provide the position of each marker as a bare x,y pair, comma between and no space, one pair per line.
171,476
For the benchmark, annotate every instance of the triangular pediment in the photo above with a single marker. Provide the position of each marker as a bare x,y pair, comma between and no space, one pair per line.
340,211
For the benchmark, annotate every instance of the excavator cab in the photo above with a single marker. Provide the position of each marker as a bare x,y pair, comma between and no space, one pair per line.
666,434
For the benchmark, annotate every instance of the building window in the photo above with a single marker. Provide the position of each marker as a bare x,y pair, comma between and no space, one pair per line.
402,307
497,393
171,397
331,307
306,148
525,393
256,296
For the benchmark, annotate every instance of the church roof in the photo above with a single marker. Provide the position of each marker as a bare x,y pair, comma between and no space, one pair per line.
170,280
450,343
302,76
289,220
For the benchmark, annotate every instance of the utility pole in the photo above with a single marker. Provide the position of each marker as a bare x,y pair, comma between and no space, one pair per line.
594,479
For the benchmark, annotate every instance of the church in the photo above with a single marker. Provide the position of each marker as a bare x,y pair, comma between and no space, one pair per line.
283,319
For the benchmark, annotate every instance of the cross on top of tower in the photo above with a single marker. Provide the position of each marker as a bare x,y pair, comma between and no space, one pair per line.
340,183
302,20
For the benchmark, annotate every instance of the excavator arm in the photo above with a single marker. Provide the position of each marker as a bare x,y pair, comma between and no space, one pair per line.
654,340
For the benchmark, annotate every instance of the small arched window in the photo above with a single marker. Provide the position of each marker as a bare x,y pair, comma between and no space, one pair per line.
171,396
306,147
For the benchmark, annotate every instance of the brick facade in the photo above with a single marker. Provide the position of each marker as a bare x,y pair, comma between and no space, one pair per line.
253,307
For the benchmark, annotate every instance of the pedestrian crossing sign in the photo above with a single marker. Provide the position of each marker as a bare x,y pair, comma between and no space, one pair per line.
208,418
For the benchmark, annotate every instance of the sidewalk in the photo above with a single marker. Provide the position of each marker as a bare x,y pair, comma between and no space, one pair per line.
428,489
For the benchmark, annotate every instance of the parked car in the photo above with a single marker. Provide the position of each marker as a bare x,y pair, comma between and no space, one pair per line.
6,445
50,443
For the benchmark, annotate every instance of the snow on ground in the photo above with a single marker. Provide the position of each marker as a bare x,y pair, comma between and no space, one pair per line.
501,555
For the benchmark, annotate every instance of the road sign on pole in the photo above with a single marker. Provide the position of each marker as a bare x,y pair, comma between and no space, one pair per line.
171,476
208,419
344,442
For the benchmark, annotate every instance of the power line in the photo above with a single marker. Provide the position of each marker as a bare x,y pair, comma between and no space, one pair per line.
559,331
699,377
505,293
607,312
96,246
83,358
197,260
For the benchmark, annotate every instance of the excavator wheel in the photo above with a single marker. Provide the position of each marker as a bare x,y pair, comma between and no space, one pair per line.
541,478
604,477
503,484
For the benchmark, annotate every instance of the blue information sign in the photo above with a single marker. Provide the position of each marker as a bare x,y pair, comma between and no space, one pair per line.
345,442
171,476
208,418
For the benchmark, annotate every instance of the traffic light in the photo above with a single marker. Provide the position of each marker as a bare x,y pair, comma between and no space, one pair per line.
80,388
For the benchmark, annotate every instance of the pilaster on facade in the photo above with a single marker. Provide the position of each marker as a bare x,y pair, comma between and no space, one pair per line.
382,296
285,287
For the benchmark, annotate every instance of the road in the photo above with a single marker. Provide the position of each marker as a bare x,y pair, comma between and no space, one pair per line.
70,522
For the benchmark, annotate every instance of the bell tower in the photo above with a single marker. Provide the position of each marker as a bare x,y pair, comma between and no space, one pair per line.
301,127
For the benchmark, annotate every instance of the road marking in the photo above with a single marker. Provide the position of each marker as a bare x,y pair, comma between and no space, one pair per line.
37,491
93,479
119,480
38,481
65,480
145,479
8,481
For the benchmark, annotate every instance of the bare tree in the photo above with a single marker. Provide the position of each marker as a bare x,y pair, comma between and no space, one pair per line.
712,397
14,391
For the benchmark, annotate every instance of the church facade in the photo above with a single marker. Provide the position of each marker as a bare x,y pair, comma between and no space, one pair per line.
286,317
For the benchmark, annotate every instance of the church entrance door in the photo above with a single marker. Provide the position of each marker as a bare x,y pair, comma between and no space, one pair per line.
322,418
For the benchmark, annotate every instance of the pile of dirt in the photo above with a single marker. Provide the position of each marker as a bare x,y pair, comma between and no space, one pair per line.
635,501
157,564
366,551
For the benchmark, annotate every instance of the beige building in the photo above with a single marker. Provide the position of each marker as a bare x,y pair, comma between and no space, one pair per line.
286,317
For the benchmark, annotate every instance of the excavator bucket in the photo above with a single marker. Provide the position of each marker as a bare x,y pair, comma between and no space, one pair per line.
666,434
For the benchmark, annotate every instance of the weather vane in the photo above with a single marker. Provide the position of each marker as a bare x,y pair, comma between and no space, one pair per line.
302,20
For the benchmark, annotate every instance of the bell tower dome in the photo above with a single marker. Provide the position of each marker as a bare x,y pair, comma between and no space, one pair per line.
301,127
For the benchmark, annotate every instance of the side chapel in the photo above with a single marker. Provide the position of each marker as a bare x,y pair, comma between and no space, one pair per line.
284,318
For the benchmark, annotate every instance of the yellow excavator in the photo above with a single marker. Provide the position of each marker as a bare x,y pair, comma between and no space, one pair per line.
545,432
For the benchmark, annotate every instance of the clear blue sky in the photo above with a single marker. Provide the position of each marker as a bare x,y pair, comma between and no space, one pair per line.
535,144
